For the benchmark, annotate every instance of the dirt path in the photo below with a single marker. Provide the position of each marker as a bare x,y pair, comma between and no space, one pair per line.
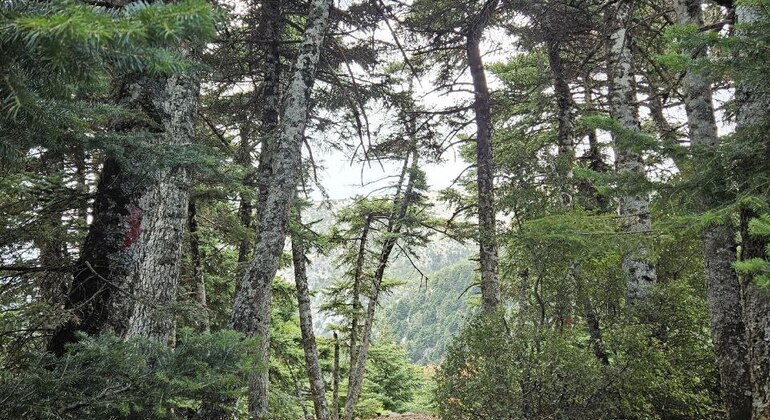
409,417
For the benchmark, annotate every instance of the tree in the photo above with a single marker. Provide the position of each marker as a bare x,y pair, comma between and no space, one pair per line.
247,317
629,164
719,248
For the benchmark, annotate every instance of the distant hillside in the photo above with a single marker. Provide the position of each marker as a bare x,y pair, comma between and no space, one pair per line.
424,317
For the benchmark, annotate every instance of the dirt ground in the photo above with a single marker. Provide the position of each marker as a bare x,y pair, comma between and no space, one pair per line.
409,417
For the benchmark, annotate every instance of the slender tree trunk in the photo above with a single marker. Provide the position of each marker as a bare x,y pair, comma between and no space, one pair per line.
358,273
246,205
314,373
639,271
752,109
251,308
402,202
197,265
127,276
490,287
50,243
566,126
719,249
565,161
336,379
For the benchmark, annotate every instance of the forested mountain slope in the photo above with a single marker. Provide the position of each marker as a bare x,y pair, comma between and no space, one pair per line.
599,248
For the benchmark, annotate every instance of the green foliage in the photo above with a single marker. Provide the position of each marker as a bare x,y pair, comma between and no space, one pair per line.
394,379
107,377
59,57
757,268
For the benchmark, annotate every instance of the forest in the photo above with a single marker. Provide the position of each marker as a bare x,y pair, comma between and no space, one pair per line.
415,209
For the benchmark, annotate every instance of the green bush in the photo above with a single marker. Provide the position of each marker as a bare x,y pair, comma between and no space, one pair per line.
105,377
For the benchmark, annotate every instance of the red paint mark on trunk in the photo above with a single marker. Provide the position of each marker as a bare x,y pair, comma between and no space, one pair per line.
134,223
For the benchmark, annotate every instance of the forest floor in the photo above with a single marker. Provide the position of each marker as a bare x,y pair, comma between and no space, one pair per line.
409,416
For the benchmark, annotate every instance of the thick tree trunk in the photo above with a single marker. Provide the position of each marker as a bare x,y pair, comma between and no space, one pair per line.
756,315
251,308
314,373
752,109
402,201
490,287
719,249
127,276
634,208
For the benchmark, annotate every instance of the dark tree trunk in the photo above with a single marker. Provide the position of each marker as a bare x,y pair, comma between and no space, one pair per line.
566,126
490,287
197,264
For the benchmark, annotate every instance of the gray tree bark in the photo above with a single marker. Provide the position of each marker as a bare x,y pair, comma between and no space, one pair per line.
314,373
752,109
634,208
127,276
488,255
719,249
251,308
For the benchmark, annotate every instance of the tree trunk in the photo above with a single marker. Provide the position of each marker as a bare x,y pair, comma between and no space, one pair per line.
566,126
358,272
336,379
272,29
490,287
317,385
251,308
752,109
246,205
127,276
719,249
402,202
197,265
634,208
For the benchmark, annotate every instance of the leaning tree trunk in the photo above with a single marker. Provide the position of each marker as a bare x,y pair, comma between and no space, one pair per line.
251,308
402,203
314,373
358,275
634,207
719,249
752,109
490,287
127,276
